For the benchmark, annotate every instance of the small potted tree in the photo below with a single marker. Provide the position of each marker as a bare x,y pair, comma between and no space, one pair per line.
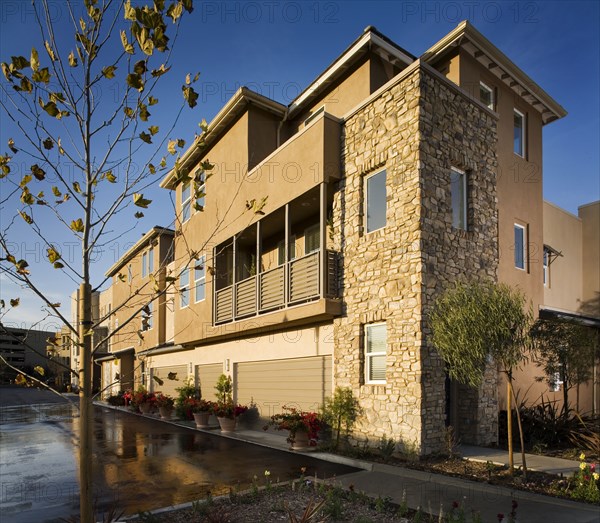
201,410
225,409
165,404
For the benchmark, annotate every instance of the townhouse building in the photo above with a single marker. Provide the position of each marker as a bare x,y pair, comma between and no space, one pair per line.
310,253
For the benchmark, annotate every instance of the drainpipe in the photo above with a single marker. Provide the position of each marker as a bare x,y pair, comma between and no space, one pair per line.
285,117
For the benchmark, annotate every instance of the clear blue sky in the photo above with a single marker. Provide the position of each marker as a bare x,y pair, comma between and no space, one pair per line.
278,47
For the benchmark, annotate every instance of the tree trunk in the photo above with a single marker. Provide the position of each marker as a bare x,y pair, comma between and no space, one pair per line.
85,405
521,438
511,460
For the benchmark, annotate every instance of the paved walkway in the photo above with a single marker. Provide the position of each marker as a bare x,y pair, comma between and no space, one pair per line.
432,491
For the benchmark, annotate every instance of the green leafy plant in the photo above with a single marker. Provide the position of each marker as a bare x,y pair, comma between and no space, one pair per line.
585,482
186,396
387,447
341,412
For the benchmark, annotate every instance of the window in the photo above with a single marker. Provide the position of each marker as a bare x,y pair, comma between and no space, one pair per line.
281,250
129,273
312,239
148,262
519,133
555,383
375,352
186,201
200,278
520,247
200,189
486,96
376,198
458,192
147,313
184,288
546,267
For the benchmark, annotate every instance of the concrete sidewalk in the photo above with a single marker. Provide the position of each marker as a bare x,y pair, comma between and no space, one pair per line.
432,491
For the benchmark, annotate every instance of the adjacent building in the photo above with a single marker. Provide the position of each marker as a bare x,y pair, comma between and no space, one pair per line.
23,349
310,253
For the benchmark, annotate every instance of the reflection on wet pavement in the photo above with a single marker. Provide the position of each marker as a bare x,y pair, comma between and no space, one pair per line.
140,464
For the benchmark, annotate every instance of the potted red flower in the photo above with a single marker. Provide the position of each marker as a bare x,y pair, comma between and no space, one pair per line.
303,426
165,404
201,410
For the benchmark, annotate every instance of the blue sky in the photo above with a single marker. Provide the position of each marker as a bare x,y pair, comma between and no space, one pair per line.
278,47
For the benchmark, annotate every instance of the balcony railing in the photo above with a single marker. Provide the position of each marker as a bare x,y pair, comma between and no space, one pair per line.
292,283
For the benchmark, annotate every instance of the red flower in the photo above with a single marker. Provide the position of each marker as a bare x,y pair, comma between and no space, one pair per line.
500,517
455,504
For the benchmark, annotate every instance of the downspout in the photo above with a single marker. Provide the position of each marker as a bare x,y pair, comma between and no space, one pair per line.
285,117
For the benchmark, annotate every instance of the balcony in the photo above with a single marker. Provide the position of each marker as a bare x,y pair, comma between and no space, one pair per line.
281,261
293,283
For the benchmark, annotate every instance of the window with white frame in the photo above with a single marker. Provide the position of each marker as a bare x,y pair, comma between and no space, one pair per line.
184,288
458,192
555,383
520,246
200,189
519,133
546,267
281,250
312,239
200,279
375,352
486,95
147,315
148,262
375,201
186,201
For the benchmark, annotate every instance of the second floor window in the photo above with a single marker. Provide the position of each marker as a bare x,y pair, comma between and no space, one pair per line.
546,267
200,190
520,246
291,250
519,133
147,314
458,192
376,201
312,239
184,288
186,201
148,262
200,279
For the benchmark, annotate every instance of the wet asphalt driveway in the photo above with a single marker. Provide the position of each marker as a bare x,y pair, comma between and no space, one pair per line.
140,464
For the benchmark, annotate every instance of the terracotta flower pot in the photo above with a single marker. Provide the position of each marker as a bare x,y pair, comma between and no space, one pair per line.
227,424
145,408
301,441
165,412
201,419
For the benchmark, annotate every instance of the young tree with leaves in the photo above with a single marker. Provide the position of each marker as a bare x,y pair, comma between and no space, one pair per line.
565,350
473,322
89,158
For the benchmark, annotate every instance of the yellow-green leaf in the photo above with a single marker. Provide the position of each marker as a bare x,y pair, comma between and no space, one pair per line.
25,180
48,143
153,129
11,146
52,254
77,187
171,146
39,369
158,380
126,45
110,176
41,75
145,137
152,100
140,201
109,71
56,192
26,217
140,67
58,265
21,266
135,81
50,51
190,96
139,215
14,302
72,59
38,172
151,168
160,71
77,225
34,61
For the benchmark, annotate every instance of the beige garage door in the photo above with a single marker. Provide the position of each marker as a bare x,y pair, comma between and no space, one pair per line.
168,386
206,379
299,382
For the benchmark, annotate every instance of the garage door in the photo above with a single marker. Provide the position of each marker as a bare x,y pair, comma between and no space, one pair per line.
169,385
299,382
206,379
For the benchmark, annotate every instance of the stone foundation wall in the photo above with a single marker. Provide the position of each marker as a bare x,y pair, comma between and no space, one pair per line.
416,130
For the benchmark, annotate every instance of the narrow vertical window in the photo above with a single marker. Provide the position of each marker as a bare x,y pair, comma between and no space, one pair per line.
200,279
376,201
486,96
200,190
129,273
458,192
147,314
186,201
546,267
519,133
184,288
144,266
312,239
291,250
151,260
375,352
520,247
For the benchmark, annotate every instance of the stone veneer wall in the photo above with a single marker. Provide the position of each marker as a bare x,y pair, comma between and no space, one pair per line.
417,129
